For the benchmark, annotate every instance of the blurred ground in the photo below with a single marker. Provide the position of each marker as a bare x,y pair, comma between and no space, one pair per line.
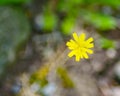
102,68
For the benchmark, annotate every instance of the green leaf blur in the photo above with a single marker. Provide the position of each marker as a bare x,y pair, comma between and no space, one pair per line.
107,43
101,14
4,2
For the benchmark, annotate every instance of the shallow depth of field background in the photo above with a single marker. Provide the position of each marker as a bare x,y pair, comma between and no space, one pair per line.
33,52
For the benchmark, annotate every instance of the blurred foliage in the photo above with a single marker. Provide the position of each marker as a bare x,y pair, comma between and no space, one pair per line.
100,21
63,14
3,2
13,34
107,43
50,21
64,77
67,25
40,75
99,13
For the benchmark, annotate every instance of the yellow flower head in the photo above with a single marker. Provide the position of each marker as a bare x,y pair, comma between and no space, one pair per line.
80,47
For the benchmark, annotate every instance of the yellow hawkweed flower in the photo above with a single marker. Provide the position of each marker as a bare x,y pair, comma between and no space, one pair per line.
80,47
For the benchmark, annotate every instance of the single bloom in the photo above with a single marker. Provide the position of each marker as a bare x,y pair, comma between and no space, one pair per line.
80,48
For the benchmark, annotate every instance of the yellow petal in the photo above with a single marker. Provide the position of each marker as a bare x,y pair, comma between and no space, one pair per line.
90,40
70,47
80,53
82,37
77,58
75,36
90,45
73,42
89,51
71,54
81,56
68,44
85,55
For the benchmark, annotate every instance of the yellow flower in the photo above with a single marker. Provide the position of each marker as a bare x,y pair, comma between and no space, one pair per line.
80,47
